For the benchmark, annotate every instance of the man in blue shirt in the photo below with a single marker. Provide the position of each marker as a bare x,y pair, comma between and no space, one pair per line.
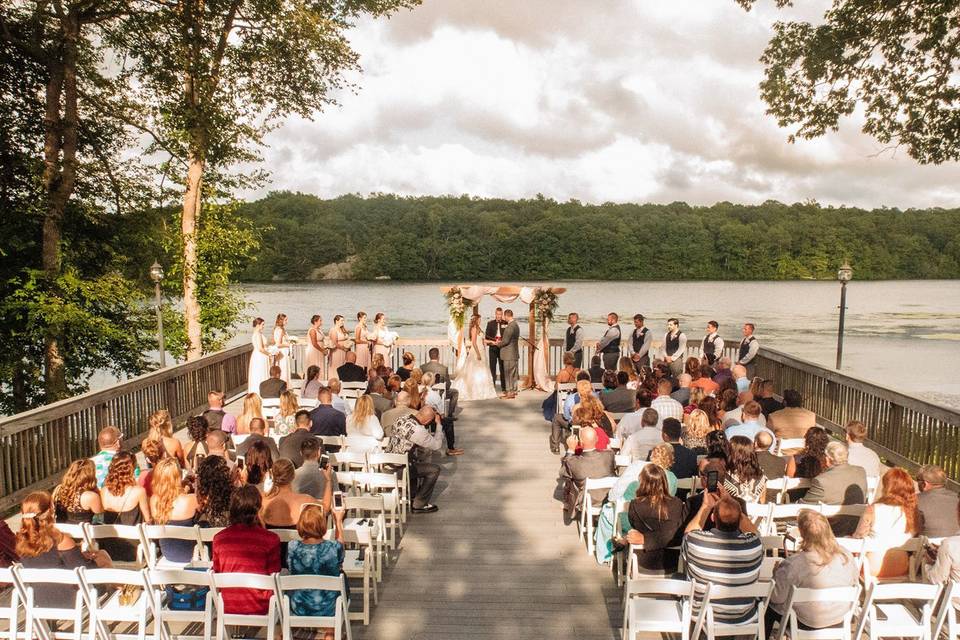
750,426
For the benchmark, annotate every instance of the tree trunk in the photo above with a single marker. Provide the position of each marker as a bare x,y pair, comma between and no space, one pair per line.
191,212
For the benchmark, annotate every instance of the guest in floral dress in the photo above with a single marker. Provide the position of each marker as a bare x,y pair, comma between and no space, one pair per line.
312,555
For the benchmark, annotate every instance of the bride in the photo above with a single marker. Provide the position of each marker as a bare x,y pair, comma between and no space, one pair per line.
474,381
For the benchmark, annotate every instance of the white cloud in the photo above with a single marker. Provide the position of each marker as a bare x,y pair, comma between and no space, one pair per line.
624,101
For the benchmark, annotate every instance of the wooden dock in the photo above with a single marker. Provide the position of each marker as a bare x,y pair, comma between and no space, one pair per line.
497,560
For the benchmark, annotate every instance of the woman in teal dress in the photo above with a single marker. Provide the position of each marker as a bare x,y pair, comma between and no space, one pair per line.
312,555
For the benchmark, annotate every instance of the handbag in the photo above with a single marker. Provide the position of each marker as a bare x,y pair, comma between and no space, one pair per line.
183,597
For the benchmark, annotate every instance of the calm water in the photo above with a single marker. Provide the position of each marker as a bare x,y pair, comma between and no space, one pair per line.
901,334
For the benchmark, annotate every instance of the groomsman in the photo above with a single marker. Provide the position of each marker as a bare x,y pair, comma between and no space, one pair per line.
574,341
712,345
510,355
748,350
491,338
675,347
640,341
609,345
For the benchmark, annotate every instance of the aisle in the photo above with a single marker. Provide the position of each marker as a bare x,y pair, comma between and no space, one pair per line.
496,561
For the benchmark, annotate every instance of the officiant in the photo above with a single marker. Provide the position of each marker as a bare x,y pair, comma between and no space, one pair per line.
491,337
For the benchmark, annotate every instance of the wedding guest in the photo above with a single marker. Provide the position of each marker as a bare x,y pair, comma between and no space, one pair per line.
739,375
736,414
401,410
768,403
596,369
712,345
589,413
693,402
640,441
336,401
258,433
698,379
282,345
285,421
662,456
625,366
609,344
745,479
723,373
749,347
171,505
441,376
312,382
76,499
363,427
197,430
636,420
350,371
110,441
412,388
378,394
252,409
281,505
289,445
684,458
751,422
618,398
589,463
124,503
316,351
568,373
378,368
859,454
675,347
792,421
695,430
314,555
161,428
408,365
812,459
888,523
641,339
573,340
257,465
154,452
682,393
409,433
774,467
8,544
214,489
666,406
309,477
217,445
946,566
273,386
710,406
325,419
215,416
394,386
839,483
718,450
655,517
340,344
362,342
937,504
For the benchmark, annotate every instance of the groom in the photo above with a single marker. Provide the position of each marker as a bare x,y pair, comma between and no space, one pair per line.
510,355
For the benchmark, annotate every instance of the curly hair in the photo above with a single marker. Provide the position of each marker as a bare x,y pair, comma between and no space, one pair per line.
898,491
81,476
153,450
166,485
698,424
811,459
38,533
121,473
161,425
662,455
214,486
742,459
197,427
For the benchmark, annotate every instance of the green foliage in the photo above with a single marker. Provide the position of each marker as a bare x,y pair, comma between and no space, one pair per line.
467,239
894,60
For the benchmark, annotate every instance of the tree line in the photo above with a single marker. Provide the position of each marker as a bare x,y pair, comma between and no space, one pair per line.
464,238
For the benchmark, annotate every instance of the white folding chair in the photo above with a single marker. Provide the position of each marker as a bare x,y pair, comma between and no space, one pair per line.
587,511
164,617
380,462
752,628
349,460
151,534
563,390
37,617
130,533
339,621
947,613
370,509
873,485
271,407
388,486
759,515
798,595
784,516
10,611
784,444
78,532
781,487
308,403
772,545
691,485
357,564
206,535
657,605
256,581
331,441
622,461
886,614
102,599
767,566
360,444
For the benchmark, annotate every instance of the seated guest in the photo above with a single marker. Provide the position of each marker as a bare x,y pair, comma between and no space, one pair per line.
888,523
214,488
750,423
596,369
197,430
8,546
698,379
820,564
729,554
692,506
310,478
441,376
110,441
350,371
666,406
723,373
246,547
567,373
171,505
314,555
311,382
363,423
217,442
378,368
408,365
589,463
812,459
718,448
633,421
745,479
258,430
684,459
290,444
662,456
768,404
273,386
410,436
839,483
696,427
124,503
286,419
216,417
946,566
774,467
937,504
40,546
682,393
618,399
325,419
378,394
76,499
739,375
430,396
734,415
402,410
252,408
336,401
639,442
256,467
793,420
625,365
655,517
154,452
281,506
860,455
560,426
711,407
161,428
412,389
394,386
695,399
589,412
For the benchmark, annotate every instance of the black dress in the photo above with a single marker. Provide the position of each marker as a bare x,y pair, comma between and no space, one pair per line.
119,549
660,530
59,596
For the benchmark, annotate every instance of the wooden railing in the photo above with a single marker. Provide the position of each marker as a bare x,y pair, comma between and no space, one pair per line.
37,446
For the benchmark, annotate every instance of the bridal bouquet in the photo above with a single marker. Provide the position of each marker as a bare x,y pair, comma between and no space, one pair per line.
545,303
457,306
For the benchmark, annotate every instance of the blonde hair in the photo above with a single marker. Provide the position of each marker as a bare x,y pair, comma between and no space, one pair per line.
288,403
588,412
166,486
377,361
252,408
161,425
362,410
584,389
80,477
817,536
282,473
698,424
428,379
697,394
662,455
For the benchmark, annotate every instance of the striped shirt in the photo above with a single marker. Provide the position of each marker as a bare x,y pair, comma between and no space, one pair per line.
729,559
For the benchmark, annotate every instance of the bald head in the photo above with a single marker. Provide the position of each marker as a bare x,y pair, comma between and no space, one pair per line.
351,356
762,441
403,399
109,439
739,371
684,380
426,415
588,438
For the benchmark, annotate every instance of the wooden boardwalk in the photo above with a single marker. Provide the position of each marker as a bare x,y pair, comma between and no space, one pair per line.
497,560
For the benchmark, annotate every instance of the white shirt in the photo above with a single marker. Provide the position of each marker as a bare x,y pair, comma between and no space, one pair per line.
681,348
370,427
629,424
639,445
340,405
862,456
717,345
666,407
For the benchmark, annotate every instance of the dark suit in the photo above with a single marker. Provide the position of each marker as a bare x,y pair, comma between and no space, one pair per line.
774,467
244,446
576,469
684,461
442,375
380,404
510,356
842,484
328,421
272,388
350,372
290,445
682,395
596,374
494,353
619,400
939,510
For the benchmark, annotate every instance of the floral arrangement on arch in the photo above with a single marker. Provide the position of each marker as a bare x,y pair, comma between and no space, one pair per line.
457,305
545,303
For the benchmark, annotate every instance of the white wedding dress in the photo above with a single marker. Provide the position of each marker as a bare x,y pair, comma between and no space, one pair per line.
473,381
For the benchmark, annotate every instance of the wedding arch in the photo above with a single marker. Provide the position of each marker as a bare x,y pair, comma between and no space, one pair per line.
542,301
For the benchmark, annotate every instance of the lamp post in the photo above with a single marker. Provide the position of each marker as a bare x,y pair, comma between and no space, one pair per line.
844,275
156,274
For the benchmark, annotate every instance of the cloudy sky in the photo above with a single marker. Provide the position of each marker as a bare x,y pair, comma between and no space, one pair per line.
602,100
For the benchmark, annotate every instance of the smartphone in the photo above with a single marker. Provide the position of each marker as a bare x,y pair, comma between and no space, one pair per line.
239,463
338,500
712,478
324,461
576,430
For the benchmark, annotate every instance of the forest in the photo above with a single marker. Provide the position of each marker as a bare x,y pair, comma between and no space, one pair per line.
465,238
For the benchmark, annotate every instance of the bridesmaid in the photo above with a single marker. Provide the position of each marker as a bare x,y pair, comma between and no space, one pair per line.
381,337
340,344
259,360
282,344
316,352
362,339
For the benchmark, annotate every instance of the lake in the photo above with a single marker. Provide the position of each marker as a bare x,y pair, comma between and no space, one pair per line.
900,334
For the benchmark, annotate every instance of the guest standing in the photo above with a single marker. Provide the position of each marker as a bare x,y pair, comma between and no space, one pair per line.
675,347
316,351
573,340
609,345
